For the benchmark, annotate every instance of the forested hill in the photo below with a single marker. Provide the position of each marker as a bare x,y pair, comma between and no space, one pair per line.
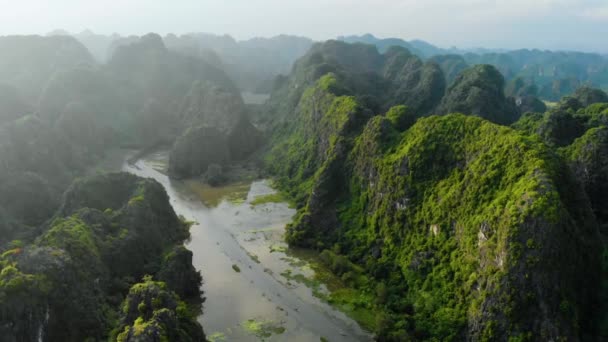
251,63
75,251
57,117
452,227
550,74
82,277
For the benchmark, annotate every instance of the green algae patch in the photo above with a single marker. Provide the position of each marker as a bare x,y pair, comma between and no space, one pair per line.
264,230
254,257
293,262
217,337
263,329
357,304
278,249
302,279
236,268
212,196
270,198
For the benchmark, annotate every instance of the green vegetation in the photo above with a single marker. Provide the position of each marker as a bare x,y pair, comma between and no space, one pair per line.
441,225
588,156
86,261
345,284
262,329
270,198
378,81
217,131
548,74
480,91
254,257
152,312
426,227
588,96
277,248
212,196
217,337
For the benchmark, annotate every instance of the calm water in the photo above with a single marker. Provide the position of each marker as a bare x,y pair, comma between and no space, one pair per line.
257,303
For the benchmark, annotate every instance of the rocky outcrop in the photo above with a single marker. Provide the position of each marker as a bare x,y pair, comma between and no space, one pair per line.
152,312
147,69
588,157
418,85
452,66
416,187
588,96
110,231
479,91
196,150
433,202
532,104
379,81
221,131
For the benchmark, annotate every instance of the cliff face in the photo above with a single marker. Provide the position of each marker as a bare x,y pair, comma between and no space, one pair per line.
476,231
490,236
588,157
110,231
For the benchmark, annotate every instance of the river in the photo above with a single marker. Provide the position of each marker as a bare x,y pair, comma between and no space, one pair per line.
248,271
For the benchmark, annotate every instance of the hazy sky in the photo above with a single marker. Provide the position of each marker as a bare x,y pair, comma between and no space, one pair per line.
551,24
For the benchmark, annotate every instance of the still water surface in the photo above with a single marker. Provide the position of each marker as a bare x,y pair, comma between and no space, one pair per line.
240,252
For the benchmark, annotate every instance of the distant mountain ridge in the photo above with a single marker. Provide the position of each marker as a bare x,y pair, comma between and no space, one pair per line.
552,73
254,63
418,47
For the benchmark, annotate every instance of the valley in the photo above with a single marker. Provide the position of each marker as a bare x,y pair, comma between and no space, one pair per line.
257,301
195,187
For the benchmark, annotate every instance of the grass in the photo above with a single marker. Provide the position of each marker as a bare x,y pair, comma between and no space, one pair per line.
213,196
302,279
354,303
270,198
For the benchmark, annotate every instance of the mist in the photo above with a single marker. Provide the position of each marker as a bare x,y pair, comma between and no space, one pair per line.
546,24
265,170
